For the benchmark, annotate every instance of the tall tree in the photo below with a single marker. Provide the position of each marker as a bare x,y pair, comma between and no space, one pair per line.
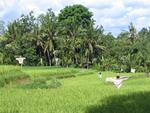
75,14
73,20
93,47
48,26
132,33
20,40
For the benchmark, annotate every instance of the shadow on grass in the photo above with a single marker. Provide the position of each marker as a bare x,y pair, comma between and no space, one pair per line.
132,103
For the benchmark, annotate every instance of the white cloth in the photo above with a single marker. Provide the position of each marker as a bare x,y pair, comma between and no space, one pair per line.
20,60
117,82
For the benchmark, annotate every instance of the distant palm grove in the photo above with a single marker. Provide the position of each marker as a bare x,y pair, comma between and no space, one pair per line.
71,39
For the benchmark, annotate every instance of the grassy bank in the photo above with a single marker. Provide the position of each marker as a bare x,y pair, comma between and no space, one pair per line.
10,74
79,94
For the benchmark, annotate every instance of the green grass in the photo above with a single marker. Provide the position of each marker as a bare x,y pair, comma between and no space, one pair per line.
55,71
10,74
78,94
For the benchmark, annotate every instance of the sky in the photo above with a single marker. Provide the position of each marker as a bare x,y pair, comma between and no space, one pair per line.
113,15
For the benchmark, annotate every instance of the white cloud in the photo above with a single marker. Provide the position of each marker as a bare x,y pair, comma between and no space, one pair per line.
137,3
114,15
139,12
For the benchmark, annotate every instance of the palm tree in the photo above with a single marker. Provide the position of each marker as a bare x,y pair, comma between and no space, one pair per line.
91,42
48,30
132,33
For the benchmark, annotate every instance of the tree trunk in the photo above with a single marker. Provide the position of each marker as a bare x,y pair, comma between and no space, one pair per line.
48,58
87,61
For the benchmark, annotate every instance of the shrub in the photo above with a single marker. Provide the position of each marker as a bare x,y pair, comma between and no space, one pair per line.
115,68
126,68
141,69
54,83
35,85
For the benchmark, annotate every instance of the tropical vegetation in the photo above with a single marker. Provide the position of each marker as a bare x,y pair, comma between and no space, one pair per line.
71,39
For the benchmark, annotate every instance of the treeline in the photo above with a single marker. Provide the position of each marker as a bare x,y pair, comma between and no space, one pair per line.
72,39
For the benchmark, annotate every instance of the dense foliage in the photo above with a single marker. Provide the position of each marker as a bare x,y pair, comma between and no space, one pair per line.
72,39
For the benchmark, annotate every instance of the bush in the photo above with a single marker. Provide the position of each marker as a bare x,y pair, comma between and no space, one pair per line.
115,68
126,68
35,85
54,83
141,69
95,66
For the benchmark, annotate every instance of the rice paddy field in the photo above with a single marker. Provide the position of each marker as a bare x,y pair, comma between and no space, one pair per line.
70,90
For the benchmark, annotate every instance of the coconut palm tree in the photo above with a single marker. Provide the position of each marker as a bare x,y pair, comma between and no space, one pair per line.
91,41
48,25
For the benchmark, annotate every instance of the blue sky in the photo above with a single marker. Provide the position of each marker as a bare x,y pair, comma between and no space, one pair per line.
114,15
